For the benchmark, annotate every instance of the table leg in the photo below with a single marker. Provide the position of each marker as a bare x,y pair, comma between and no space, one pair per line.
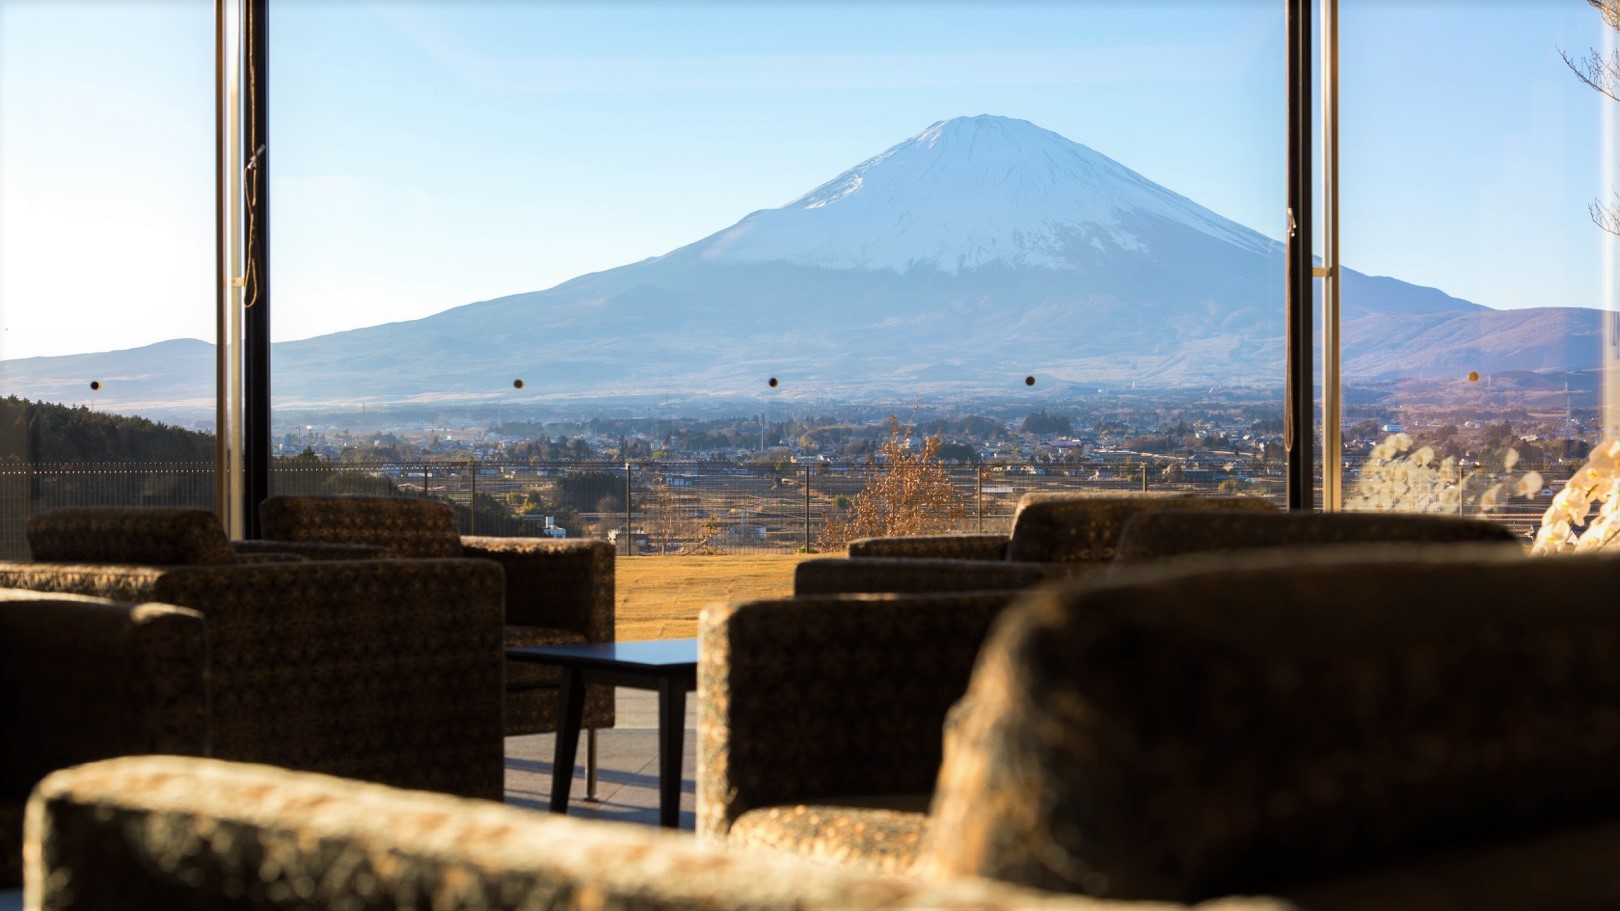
590,764
671,740
571,709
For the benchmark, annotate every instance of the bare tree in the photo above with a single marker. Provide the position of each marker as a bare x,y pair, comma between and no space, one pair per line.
673,518
908,493
1601,72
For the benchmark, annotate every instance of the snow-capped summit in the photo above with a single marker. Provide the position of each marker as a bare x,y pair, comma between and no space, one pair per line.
966,193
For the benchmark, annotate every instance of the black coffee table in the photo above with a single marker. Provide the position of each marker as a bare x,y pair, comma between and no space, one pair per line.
668,666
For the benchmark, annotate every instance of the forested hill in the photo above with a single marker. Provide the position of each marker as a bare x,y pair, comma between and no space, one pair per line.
41,432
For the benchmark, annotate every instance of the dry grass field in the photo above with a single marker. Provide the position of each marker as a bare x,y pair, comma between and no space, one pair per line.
659,596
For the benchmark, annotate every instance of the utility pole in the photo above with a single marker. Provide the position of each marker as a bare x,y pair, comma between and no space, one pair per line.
629,548
978,494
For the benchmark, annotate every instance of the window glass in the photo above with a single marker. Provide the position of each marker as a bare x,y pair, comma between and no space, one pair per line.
106,257
1473,299
743,248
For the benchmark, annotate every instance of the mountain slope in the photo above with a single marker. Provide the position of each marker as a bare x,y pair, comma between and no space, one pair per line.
173,375
1390,345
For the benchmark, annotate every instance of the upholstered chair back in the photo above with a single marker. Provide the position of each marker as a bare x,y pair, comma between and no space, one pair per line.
556,592
1181,732
869,679
153,536
1070,528
1173,533
407,526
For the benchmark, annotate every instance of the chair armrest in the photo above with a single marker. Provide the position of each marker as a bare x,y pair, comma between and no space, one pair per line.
1066,528
167,832
812,697
1175,533
559,584
115,582
956,547
86,679
837,575
308,550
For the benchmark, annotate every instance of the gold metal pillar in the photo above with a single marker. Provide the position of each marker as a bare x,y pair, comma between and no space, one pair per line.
228,409
1332,400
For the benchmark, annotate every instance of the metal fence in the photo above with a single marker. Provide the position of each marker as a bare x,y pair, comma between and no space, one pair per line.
645,508
705,507
29,489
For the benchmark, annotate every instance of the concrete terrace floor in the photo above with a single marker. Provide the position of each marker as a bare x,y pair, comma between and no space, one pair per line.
627,771
627,766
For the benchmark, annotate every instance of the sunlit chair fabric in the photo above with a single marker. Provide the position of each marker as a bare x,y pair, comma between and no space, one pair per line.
1070,529
1173,533
171,832
407,526
83,679
557,592
386,670
944,547
157,536
820,722
1054,535
164,536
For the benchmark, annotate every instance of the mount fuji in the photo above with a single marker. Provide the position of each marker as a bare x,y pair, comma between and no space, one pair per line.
977,252
973,193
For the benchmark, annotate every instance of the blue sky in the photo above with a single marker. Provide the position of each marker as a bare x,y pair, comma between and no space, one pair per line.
431,154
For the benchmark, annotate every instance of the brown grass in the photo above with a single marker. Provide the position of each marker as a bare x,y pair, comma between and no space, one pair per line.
659,596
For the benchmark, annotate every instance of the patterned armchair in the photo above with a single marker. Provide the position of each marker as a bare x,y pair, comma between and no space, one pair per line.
83,679
1369,726
1366,726
1054,535
1178,532
380,669
820,719
557,592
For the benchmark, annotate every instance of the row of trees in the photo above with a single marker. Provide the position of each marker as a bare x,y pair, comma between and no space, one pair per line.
42,432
